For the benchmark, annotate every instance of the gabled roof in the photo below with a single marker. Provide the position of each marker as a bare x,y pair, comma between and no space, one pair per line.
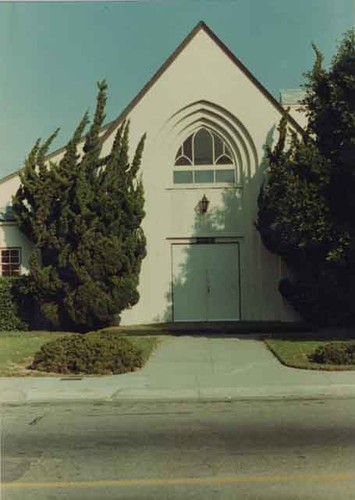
110,127
200,26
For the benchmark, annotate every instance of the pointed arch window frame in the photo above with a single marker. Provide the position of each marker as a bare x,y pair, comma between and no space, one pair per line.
198,163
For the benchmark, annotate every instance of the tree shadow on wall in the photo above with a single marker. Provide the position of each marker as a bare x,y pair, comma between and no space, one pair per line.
190,260
231,214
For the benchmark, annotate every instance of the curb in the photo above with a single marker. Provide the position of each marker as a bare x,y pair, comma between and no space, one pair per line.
222,394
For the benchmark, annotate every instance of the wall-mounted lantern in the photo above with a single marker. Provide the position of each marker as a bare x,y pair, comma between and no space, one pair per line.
203,204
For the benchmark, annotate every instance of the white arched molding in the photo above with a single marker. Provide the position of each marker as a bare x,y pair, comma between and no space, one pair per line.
204,114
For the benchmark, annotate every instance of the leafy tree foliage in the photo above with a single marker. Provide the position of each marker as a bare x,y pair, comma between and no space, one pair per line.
83,214
307,207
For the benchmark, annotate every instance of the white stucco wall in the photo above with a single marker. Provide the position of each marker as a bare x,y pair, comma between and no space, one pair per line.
7,189
10,237
202,72
291,100
298,114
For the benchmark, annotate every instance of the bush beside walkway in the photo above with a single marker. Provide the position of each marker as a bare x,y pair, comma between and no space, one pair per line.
295,353
18,349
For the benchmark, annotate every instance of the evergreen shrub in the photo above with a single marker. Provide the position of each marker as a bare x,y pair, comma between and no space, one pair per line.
91,353
10,306
83,216
334,354
307,206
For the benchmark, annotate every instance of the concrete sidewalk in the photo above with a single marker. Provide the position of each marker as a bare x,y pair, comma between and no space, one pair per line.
191,368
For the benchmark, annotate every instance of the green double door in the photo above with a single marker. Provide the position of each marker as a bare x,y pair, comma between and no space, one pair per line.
206,282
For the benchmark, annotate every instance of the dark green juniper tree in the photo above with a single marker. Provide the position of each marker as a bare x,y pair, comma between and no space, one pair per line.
307,207
83,215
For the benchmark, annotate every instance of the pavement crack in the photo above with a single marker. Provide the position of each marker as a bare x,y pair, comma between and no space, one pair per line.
36,420
113,396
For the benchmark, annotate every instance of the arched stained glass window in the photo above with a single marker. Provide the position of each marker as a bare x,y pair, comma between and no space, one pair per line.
204,158
203,147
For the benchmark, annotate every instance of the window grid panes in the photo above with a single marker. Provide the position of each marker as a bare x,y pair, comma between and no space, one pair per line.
10,260
209,158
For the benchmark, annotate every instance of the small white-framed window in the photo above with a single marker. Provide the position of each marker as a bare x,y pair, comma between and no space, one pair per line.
10,261
204,157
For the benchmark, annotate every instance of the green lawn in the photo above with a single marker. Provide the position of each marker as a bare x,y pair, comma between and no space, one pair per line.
18,348
294,353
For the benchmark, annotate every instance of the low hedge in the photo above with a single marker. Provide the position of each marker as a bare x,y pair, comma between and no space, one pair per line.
10,305
342,353
91,353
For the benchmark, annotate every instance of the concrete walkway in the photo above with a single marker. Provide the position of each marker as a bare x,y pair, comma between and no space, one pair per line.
197,368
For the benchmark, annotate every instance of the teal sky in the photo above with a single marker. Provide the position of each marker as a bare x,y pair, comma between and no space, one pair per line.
52,54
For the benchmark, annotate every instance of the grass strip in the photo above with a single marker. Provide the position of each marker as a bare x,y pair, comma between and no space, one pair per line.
294,353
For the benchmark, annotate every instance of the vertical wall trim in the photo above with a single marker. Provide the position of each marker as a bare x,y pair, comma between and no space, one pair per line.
172,283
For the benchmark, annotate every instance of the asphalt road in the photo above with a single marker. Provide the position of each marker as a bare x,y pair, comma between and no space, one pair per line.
247,450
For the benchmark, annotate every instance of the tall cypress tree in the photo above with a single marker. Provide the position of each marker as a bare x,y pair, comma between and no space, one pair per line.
83,215
307,208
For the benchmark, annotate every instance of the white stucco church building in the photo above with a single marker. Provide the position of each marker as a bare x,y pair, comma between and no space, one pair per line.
207,121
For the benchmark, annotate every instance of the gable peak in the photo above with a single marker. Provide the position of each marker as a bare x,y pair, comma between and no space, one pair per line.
200,26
